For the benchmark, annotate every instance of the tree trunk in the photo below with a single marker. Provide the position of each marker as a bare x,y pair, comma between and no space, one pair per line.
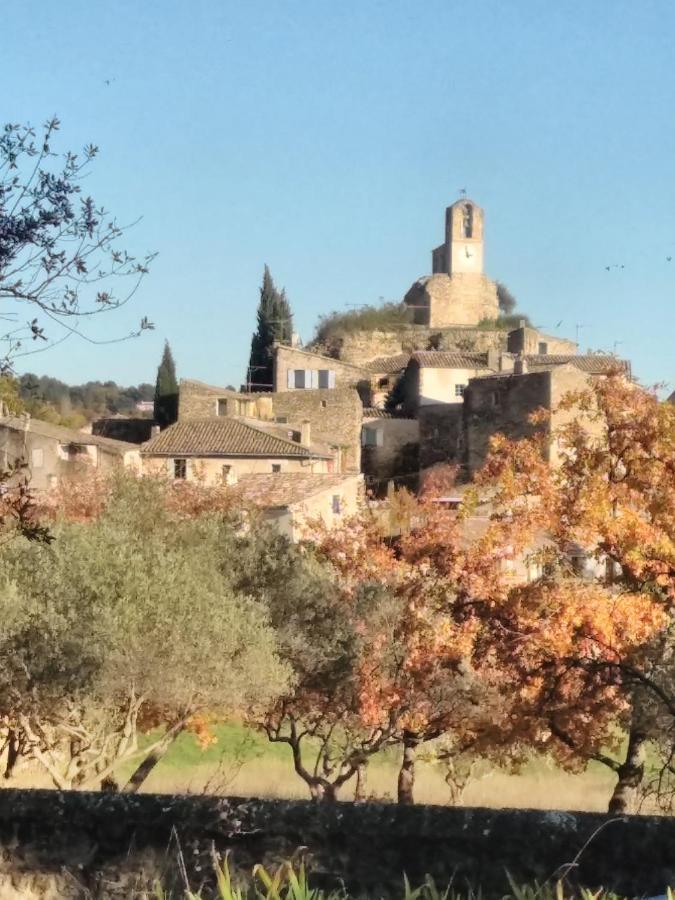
361,779
631,771
406,775
323,792
148,764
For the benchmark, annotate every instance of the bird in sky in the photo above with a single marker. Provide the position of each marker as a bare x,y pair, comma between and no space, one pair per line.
108,81
559,324
669,258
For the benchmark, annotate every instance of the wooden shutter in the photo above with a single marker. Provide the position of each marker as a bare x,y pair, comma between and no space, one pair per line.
331,378
291,378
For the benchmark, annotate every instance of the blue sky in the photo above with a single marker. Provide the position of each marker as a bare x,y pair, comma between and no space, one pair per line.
326,139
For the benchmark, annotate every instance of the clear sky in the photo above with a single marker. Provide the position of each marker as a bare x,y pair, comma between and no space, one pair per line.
326,139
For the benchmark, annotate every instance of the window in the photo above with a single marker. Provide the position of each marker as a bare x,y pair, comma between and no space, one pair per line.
180,468
459,390
324,404
222,406
299,378
467,221
336,505
276,467
371,437
225,471
37,458
282,420
326,378
543,348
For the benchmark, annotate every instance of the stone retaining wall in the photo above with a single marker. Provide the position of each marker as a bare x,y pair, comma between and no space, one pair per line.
77,845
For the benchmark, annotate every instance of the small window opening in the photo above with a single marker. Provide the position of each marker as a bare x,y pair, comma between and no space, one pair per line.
324,404
459,390
543,348
180,468
276,467
467,221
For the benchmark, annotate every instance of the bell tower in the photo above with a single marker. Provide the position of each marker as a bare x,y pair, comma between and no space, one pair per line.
458,292
462,251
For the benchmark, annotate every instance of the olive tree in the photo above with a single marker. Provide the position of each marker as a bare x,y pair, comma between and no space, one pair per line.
121,626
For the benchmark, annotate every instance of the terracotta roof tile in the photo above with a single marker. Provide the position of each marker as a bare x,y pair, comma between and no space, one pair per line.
592,363
223,437
285,489
448,359
387,365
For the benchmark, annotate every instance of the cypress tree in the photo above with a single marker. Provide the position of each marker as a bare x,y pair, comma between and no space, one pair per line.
166,390
274,324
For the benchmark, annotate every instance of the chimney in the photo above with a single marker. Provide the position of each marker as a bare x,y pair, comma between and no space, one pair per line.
154,430
305,433
520,365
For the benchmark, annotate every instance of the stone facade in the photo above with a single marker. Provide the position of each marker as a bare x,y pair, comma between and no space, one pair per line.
440,301
75,845
296,369
531,341
389,450
441,435
503,403
53,454
334,414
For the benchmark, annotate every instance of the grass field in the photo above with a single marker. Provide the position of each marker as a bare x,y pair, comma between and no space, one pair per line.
245,763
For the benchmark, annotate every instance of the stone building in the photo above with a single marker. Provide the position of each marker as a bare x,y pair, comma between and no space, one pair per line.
530,341
291,502
457,292
389,449
300,370
52,453
503,403
334,414
222,450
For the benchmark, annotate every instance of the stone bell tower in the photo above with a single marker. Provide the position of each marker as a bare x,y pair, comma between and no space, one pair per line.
462,250
458,292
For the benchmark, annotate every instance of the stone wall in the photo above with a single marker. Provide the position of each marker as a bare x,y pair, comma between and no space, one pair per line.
532,341
362,347
82,845
465,298
393,455
441,434
291,359
501,404
334,416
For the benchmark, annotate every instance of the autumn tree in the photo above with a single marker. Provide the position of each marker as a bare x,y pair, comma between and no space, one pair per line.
274,325
166,390
61,259
587,640
124,625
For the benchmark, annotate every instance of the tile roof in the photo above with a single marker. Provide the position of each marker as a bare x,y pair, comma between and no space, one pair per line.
66,435
286,489
224,437
592,363
387,365
448,359
372,412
